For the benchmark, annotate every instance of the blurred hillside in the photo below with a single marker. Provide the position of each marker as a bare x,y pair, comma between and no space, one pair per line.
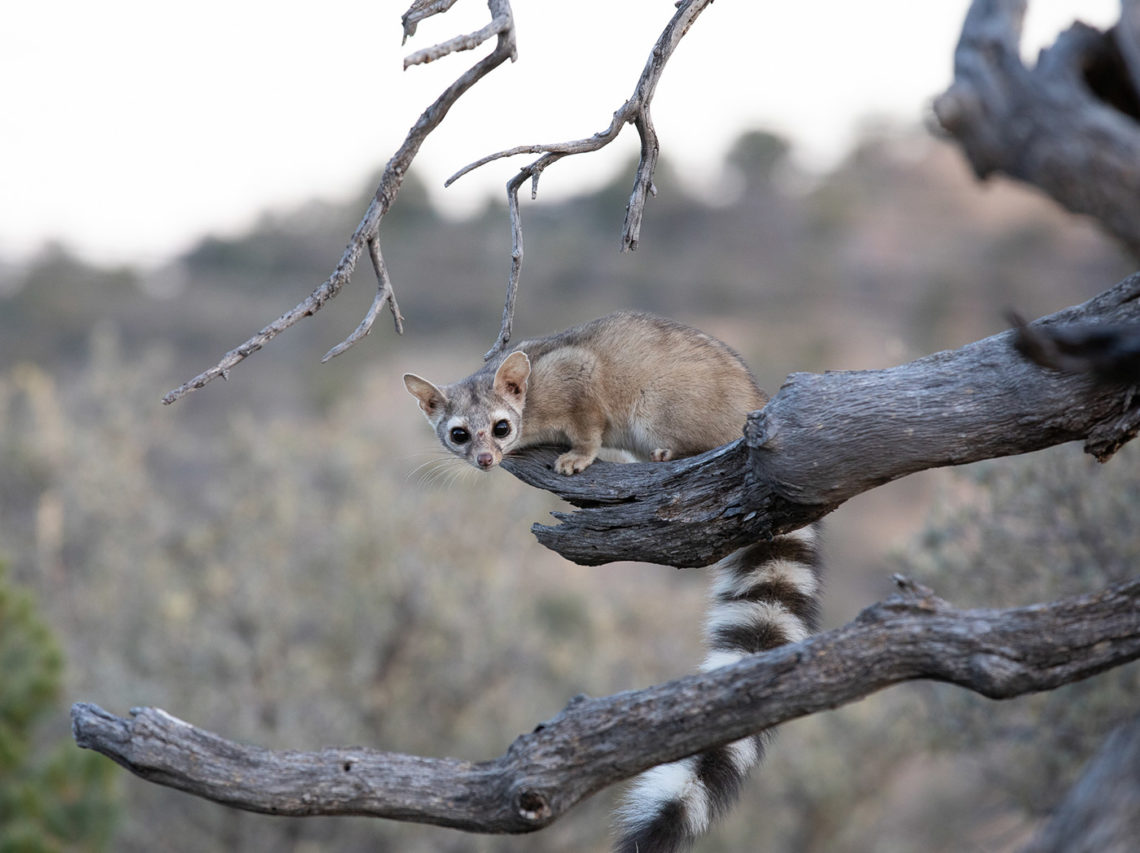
896,253
285,558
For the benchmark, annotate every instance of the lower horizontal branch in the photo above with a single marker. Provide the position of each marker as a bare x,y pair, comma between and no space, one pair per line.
593,743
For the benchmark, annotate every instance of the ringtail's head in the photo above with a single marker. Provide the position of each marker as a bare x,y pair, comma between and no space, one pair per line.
478,418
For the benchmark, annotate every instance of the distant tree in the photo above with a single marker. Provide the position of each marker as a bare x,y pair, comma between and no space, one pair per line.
758,155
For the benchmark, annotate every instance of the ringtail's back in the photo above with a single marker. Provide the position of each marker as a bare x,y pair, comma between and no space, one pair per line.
658,390
628,381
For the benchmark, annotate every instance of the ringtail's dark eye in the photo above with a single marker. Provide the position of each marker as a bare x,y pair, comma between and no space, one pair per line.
459,435
501,429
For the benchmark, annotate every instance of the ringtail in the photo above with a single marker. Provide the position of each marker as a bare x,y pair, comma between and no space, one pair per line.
658,390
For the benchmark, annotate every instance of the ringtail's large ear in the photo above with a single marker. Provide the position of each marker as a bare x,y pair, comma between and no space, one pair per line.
511,377
432,400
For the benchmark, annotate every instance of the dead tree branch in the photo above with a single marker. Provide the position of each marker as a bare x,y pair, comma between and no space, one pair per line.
1068,125
385,296
825,438
1101,814
368,231
593,743
635,111
501,23
421,10
1109,352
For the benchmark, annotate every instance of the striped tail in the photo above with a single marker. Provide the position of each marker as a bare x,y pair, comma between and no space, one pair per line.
763,596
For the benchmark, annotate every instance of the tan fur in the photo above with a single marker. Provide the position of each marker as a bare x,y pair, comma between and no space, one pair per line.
628,381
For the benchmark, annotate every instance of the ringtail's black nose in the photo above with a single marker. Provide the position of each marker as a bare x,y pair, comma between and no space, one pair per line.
484,460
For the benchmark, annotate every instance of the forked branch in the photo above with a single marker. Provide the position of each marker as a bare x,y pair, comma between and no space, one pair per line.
367,233
634,111
385,296
596,742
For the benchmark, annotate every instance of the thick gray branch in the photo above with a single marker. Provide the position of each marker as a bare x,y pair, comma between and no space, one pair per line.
1067,125
825,438
1101,814
596,742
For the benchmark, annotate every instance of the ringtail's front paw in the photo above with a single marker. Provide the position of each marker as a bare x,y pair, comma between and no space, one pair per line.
574,462
661,454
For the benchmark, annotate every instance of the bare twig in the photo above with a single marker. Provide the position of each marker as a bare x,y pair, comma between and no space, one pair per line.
643,181
507,325
421,10
384,296
634,111
368,230
596,742
470,41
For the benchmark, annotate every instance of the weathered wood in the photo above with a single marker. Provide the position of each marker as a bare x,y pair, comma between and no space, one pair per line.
1066,125
823,439
596,742
1101,814
686,513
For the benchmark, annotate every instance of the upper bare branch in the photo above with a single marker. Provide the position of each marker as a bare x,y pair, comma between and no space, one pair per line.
470,41
367,232
596,742
421,10
636,111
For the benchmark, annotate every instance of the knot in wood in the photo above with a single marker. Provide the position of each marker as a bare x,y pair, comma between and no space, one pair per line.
534,807
951,108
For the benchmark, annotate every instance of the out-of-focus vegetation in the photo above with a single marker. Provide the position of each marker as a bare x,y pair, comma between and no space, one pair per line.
287,558
1022,531
52,796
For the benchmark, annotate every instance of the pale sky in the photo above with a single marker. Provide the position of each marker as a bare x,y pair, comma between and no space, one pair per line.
130,128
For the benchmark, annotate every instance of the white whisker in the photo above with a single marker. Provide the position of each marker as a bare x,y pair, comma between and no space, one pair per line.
441,467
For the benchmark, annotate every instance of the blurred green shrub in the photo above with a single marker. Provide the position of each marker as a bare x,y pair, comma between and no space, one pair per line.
53,796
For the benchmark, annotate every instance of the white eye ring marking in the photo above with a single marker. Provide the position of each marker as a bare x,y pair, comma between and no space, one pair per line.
457,423
503,415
